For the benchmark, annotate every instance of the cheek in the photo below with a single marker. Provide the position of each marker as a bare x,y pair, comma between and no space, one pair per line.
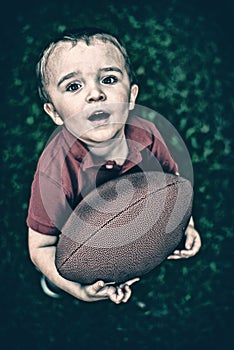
66,109
119,93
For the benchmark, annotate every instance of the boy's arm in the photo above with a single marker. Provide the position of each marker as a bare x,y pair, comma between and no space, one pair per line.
192,243
42,250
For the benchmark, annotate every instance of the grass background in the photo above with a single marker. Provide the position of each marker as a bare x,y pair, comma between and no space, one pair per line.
182,52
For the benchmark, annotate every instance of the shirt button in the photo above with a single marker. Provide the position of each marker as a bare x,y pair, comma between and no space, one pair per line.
109,166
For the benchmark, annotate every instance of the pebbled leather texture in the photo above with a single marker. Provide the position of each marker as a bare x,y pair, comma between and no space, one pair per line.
125,228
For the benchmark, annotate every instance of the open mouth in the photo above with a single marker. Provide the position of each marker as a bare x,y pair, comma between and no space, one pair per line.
99,117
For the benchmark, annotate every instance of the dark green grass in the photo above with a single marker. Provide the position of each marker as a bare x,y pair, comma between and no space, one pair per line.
183,56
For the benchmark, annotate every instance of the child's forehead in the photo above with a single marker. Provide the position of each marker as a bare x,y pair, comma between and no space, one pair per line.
80,48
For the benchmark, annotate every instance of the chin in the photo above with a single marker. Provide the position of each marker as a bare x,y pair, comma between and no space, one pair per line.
99,136
96,140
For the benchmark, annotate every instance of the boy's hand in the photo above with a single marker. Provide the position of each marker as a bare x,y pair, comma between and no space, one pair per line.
192,245
101,291
97,291
123,291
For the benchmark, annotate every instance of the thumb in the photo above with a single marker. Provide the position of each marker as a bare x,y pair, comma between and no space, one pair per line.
189,241
97,286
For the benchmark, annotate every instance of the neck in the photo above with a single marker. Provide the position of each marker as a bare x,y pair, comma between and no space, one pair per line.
115,149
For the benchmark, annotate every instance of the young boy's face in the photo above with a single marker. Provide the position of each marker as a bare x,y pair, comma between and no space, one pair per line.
90,90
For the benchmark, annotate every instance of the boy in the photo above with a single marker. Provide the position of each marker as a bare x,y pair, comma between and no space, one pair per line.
88,89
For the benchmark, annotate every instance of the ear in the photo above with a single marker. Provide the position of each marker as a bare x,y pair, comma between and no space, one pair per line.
51,111
133,96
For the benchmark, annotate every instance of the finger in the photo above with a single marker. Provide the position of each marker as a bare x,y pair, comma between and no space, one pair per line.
184,254
97,286
187,253
176,252
190,237
197,243
98,289
127,295
117,296
174,257
130,282
106,291
114,299
120,293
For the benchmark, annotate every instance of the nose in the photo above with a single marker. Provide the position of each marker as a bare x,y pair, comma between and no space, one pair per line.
95,94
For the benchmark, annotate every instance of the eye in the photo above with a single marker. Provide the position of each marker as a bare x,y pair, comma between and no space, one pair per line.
111,79
73,87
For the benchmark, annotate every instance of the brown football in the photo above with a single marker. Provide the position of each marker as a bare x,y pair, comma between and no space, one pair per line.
124,228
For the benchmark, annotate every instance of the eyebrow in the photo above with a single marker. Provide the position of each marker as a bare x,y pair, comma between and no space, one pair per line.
67,76
111,69
73,74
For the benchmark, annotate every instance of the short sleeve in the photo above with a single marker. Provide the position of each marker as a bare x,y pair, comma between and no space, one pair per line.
49,206
162,153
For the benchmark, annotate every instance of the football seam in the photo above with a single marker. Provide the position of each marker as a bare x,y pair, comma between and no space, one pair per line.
114,217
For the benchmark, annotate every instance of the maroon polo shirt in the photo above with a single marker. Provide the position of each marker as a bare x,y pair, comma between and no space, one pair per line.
67,171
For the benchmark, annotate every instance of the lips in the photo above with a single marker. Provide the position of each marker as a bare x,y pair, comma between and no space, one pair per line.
99,117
